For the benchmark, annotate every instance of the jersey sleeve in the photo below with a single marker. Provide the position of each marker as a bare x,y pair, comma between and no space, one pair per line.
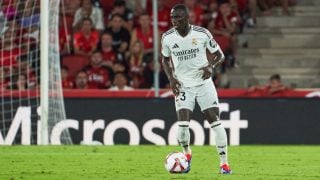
165,50
211,44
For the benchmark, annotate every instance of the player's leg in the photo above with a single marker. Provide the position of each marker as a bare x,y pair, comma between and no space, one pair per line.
209,104
185,102
212,115
184,116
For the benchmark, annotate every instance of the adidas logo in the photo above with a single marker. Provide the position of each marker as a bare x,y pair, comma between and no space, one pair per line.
175,46
215,103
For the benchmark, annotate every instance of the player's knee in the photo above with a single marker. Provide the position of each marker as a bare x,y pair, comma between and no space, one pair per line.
212,114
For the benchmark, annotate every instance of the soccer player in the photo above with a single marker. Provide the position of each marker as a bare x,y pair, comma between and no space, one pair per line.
189,72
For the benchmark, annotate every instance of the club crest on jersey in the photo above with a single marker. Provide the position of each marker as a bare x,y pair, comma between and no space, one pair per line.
194,41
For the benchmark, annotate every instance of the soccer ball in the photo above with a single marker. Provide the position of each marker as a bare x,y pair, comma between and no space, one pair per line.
176,162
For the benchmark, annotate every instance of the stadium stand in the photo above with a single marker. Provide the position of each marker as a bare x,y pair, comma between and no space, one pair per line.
281,44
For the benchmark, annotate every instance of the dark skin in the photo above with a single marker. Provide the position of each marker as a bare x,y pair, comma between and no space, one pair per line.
179,19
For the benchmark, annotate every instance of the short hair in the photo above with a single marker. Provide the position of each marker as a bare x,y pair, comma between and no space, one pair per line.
181,7
106,33
65,67
96,51
86,19
116,15
22,58
81,72
120,3
144,13
275,77
223,2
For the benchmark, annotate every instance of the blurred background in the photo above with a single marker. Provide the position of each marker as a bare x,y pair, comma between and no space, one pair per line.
110,44
108,58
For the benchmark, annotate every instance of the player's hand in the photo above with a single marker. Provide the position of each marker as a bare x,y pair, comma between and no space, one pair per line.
175,86
207,72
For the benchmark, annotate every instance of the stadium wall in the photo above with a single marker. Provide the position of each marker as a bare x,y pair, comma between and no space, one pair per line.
106,117
151,121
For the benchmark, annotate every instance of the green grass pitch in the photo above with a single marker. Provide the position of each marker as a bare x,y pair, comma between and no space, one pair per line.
147,162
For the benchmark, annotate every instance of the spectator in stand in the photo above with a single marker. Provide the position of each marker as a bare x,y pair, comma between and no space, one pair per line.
148,74
266,6
88,10
225,31
137,6
211,12
136,58
144,33
119,66
120,83
247,10
252,20
31,21
192,18
105,46
136,64
275,87
69,7
196,8
67,81
98,75
163,15
81,81
19,83
64,38
85,40
24,67
2,22
9,50
119,7
10,10
4,82
121,36
18,33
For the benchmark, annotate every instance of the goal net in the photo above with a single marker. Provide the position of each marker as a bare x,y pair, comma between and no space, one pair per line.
22,83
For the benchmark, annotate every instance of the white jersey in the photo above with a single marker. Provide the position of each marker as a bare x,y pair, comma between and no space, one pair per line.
188,53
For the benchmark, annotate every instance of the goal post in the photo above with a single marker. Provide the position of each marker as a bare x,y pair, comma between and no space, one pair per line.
44,69
32,106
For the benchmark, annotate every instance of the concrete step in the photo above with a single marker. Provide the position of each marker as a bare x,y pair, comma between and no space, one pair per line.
244,81
298,11
287,41
288,21
281,30
308,2
302,8
287,45
278,61
275,56
283,51
297,71
304,14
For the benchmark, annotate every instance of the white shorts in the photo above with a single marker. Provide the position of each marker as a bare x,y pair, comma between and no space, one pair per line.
205,95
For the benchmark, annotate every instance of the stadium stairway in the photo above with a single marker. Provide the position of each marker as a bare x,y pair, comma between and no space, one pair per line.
288,45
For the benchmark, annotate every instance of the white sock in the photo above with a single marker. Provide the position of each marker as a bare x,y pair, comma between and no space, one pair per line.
221,141
184,136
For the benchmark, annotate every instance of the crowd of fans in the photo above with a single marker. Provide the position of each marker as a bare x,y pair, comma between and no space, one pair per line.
108,44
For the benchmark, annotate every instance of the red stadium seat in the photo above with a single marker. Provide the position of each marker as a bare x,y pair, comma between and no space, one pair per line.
75,63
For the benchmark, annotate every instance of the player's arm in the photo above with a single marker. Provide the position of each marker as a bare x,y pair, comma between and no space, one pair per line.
216,57
174,83
166,63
